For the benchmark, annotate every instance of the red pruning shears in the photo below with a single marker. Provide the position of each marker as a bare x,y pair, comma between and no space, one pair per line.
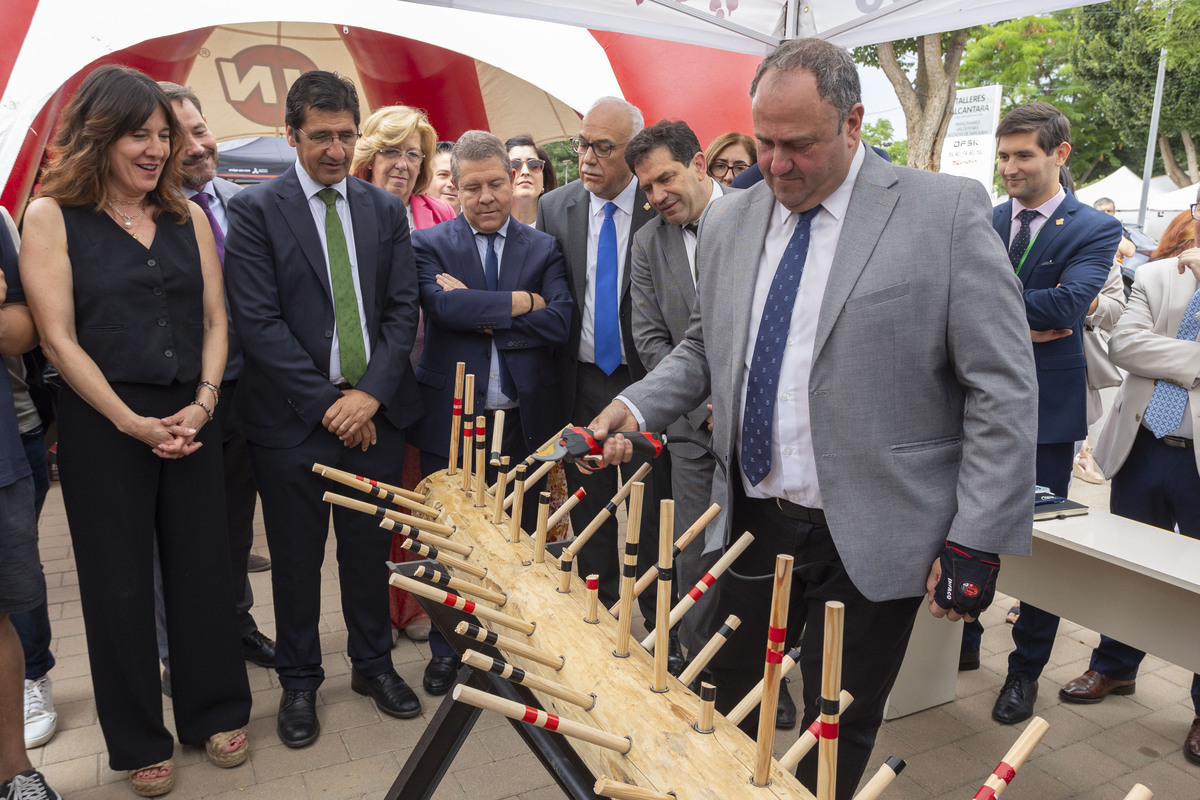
579,443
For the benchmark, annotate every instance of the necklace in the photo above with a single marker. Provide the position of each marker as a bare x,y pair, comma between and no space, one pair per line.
127,219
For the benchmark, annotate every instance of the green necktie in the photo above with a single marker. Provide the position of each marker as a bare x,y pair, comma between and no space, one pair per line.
345,302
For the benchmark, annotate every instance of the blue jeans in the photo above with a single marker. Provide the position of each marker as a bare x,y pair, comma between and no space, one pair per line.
33,626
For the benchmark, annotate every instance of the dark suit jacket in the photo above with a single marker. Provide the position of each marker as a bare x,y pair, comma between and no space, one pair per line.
233,362
456,324
279,293
1063,272
563,213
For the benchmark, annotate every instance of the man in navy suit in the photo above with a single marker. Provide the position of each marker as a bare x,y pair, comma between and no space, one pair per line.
323,291
495,296
1062,251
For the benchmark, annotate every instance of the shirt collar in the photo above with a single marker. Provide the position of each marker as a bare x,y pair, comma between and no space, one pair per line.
1046,209
503,228
839,200
624,200
208,189
311,187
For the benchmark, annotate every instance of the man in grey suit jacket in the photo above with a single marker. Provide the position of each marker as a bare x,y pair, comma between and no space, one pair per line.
902,437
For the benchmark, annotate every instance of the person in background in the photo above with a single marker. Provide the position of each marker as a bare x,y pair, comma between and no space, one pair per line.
442,186
729,155
1107,206
124,282
534,177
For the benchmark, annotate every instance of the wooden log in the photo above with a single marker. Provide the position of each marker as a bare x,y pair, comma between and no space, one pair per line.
593,600
461,603
440,542
497,437
708,701
456,417
666,584
683,541
542,719
462,587
531,480
468,432
543,528
425,525
791,759
509,645
500,486
514,519
754,696
473,658
776,634
565,508
425,551
633,532
480,461
607,787
608,511
1006,770
881,779
709,650
376,490
831,687
1139,792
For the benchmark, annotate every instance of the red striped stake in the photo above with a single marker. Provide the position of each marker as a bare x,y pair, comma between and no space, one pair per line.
428,526
1006,770
633,533
413,501
776,633
460,603
800,749
456,416
463,587
593,600
607,511
643,583
468,431
565,508
541,719
480,461
831,687
662,603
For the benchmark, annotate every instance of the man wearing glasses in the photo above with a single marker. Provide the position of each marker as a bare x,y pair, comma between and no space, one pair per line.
594,220
323,292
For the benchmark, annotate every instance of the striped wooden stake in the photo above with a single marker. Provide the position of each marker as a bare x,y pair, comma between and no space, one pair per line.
830,707
666,583
461,603
643,583
709,650
425,551
607,787
456,416
564,572
507,644
404,498
468,431
754,696
543,528
497,437
480,461
542,719
593,600
530,460
461,586
791,759
431,539
882,779
514,519
565,508
531,480
1006,770
1139,792
428,526
501,485
608,511
474,658
776,634
708,700
633,533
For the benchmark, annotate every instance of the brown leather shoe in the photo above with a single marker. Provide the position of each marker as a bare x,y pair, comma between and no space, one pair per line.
1191,745
1092,687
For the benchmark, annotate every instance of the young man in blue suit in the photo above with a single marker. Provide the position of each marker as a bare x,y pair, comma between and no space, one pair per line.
495,296
1062,251
323,292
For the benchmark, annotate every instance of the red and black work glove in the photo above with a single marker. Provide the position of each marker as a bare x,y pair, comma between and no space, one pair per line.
968,580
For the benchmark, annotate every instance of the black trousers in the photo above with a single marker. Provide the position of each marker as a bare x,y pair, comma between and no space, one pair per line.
594,391
297,523
241,496
875,634
120,497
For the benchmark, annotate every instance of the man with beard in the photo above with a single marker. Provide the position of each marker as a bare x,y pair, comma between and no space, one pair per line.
202,186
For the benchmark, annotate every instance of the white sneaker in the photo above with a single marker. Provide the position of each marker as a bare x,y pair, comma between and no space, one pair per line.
40,719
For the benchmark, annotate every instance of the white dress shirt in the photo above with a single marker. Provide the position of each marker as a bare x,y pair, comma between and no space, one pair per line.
317,206
623,217
215,204
495,397
689,238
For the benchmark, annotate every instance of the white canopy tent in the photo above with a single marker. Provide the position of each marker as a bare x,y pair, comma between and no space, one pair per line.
1124,187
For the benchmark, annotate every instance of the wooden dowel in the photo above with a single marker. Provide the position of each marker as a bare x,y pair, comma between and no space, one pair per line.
565,508
754,696
831,687
531,480
375,489
501,485
1006,770
1139,792
461,586
633,532
608,511
514,519
542,719
543,528
508,645
468,431
703,585
387,513
456,417
593,600
662,603
497,437
643,583
709,650
564,572
776,634
800,749
607,787
474,658
433,540
425,551
461,603
882,779
708,700
480,461
530,460
399,491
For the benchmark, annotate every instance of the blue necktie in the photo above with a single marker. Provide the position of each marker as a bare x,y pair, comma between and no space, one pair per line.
1020,242
606,323
1164,412
491,274
763,382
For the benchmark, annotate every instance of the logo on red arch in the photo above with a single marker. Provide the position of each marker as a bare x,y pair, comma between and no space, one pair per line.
256,80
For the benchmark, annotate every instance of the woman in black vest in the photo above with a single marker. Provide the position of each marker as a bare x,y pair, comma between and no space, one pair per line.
124,283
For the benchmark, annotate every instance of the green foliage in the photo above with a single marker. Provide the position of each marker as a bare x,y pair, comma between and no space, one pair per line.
882,134
564,159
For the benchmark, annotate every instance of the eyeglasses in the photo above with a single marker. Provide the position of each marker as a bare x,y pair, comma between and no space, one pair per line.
600,149
718,169
1195,215
325,139
534,164
411,156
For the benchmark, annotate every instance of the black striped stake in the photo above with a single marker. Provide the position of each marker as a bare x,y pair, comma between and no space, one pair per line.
633,533
507,644
474,658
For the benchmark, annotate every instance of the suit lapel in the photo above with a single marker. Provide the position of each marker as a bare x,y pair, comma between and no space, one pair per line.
293,207
1046,236
366,239
516,245
577,241
642,213
675,254
470,265
737,285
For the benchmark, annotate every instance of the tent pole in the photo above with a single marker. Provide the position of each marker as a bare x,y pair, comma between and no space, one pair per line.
1152,142
791,20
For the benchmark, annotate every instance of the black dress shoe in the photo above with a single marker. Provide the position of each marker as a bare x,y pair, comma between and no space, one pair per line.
258,649
1015,703
440,674
968,660
257,563
389,692
675,660
785,715
298,725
